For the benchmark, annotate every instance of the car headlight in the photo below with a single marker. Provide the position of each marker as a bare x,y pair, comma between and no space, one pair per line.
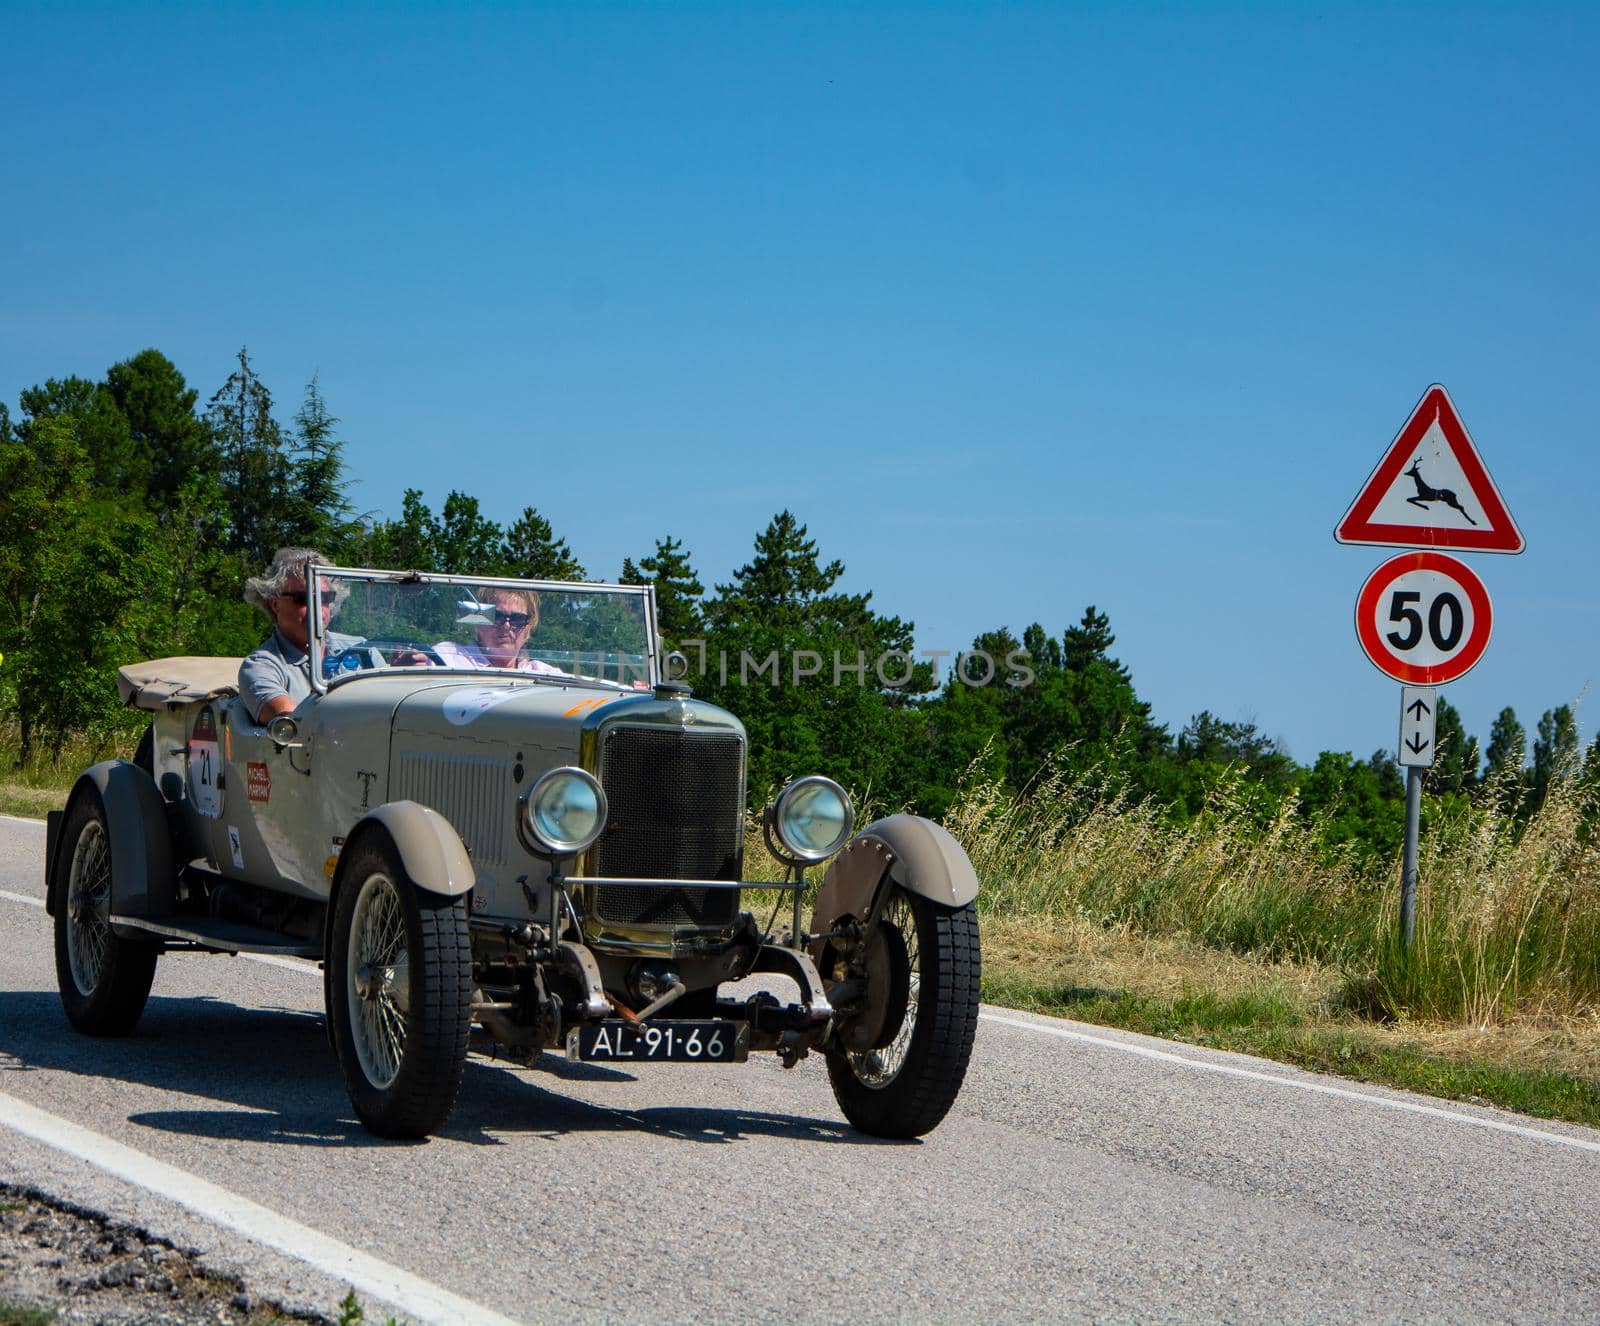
811,819
564,812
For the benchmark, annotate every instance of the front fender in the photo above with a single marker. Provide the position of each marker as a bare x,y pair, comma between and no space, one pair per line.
430,849
917,854
144,881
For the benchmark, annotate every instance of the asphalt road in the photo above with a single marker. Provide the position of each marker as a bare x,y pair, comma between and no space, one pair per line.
1083,1175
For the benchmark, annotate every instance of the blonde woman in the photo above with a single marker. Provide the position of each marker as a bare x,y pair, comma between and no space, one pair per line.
512,615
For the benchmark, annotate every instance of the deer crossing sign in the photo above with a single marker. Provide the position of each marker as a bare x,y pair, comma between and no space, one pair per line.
1431,490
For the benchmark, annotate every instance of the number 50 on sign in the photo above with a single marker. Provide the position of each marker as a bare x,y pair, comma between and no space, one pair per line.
1424,618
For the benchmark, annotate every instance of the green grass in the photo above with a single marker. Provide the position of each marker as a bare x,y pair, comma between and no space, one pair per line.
1272,1024
21,1314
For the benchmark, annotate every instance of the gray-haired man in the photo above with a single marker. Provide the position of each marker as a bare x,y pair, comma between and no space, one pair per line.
277,676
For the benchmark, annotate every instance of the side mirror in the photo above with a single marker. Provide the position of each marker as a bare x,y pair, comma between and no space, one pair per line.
284,732
675,667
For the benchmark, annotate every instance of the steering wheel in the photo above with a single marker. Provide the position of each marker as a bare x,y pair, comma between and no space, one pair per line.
384,645
370,653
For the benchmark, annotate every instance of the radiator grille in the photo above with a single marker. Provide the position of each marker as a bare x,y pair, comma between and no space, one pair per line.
468,790
676,812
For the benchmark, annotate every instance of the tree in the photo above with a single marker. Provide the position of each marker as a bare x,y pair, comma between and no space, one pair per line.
1555,752
406,544
82,586
169,444
1508,749
320,514
678,589
1355,801
254,467
468,542
1456,758
796,659
531,550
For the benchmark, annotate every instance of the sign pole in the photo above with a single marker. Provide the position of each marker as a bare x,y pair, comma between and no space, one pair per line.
1408,867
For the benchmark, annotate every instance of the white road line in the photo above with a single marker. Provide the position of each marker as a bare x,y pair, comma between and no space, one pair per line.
366,1274
1147,1052
17,819
1299,1084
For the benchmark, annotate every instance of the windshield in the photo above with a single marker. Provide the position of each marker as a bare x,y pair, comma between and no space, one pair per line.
532,629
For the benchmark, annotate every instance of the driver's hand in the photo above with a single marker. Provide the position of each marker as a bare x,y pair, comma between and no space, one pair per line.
409,658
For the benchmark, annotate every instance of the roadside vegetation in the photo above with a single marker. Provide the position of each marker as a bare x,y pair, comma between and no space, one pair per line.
1252,934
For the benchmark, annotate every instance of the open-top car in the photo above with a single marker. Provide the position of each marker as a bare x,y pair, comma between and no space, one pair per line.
524,853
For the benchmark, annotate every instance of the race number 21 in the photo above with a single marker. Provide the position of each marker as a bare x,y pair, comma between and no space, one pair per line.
1423,618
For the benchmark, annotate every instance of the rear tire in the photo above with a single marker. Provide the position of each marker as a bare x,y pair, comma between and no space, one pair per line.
907,1087
104,979
399,994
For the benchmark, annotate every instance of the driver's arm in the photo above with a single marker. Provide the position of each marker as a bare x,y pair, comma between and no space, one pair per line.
270,709
266,687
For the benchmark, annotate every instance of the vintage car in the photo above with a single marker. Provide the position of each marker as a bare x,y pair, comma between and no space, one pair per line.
520,853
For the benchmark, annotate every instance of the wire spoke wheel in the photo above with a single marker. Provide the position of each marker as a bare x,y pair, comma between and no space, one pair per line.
399,993
377,964
904,1088
878,1068
89,907
104,979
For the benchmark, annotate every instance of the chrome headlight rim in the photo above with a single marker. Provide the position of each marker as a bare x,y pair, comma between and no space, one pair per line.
548,845
786,849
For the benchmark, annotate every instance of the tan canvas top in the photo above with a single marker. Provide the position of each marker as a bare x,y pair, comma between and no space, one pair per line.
173,681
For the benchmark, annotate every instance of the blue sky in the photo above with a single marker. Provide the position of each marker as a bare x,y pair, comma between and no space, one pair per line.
1019,308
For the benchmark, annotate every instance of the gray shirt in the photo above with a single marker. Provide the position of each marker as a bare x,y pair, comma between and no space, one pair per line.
280,667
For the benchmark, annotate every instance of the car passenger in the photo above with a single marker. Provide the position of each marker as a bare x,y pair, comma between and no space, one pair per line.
505,619
277,676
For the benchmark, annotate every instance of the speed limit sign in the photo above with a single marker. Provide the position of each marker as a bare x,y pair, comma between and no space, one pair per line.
1423,618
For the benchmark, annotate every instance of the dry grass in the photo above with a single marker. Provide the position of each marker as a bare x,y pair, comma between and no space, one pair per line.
1508,920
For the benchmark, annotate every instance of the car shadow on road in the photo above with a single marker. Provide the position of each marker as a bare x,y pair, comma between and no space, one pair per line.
274,1076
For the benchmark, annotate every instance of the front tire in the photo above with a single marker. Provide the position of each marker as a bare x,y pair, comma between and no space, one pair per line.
104,979
904,1089
399,994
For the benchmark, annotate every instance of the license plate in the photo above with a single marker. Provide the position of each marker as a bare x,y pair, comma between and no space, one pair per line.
681,1042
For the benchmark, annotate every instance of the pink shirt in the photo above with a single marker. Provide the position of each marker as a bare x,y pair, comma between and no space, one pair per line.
472,656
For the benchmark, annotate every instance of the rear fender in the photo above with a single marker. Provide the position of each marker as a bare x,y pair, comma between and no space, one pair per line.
917,854
144,881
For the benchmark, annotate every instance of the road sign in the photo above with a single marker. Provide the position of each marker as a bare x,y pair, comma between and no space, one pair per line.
1423,618
1418,715
1431,490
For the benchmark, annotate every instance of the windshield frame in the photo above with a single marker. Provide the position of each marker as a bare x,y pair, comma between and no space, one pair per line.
345,574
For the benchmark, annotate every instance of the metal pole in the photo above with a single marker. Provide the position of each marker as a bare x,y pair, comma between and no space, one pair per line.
1408,867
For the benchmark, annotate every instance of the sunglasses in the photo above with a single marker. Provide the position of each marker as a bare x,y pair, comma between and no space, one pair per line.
299,597
515,620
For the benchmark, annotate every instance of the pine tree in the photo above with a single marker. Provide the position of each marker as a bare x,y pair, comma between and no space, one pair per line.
255,469
1555,751
1456,758
678,589
530,549
322,516
1508,749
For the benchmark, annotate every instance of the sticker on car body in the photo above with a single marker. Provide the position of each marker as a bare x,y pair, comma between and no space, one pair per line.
258,780
236,847
205,766
468,705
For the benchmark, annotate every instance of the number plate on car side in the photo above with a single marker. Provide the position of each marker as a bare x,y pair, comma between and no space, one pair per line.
682,1042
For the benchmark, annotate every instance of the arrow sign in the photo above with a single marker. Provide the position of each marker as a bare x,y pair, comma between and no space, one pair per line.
1417,712
1431,490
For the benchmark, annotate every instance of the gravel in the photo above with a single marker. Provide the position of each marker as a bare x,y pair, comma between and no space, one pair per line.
84,1269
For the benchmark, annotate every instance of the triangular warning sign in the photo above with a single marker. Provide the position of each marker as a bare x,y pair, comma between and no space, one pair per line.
1431,490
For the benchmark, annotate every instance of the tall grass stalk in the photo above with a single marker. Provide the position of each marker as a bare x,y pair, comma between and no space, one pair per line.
1508,919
